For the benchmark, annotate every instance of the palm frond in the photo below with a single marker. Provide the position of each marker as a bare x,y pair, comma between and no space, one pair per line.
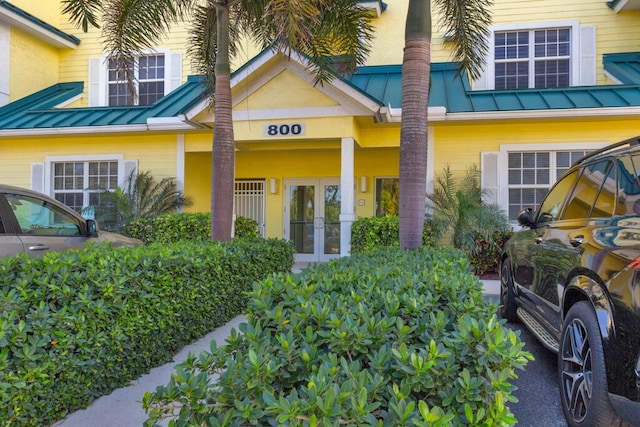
82,13
468,21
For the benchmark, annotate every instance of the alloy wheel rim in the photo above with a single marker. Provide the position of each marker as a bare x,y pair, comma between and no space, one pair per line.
577,370
504,287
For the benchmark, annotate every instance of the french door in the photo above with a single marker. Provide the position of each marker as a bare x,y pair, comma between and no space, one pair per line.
312,218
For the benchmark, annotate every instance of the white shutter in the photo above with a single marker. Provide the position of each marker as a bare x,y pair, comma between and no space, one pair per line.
175,73
94,82
37,177
587,60
482,83
129,167
489,176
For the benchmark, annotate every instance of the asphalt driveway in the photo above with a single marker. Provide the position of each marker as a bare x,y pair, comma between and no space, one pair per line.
538,394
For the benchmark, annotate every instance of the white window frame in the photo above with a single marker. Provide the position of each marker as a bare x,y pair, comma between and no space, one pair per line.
99,75
503,162
51,160
138,81
574,63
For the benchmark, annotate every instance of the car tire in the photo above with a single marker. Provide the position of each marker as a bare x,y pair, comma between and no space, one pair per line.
508,308
582,372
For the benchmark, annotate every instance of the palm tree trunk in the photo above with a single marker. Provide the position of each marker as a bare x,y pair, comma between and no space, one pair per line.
223,151
416,66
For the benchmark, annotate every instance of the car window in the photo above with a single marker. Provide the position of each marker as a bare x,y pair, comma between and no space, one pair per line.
605,201
552,204
587,190
1,227
40,218
628,201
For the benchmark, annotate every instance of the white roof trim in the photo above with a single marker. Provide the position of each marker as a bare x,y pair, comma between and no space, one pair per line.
546,114
32,28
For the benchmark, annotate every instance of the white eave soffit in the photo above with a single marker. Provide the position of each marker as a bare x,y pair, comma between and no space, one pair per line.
626,5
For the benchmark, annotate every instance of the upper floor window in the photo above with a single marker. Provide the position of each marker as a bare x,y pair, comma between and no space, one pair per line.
156,73
149,74
541,55
536,58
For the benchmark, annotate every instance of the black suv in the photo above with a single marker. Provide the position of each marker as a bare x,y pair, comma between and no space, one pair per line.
572,276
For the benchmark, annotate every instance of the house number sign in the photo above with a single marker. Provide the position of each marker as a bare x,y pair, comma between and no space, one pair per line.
284,129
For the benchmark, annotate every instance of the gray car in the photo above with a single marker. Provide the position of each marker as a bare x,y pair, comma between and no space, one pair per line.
34,223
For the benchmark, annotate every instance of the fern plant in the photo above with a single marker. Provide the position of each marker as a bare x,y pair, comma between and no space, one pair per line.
141,197
460,212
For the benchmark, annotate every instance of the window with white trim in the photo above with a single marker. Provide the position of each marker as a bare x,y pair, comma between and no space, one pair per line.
532,173
78,184
538,58
539,55
149,74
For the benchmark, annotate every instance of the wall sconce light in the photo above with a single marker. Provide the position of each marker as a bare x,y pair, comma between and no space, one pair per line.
273,185
363,184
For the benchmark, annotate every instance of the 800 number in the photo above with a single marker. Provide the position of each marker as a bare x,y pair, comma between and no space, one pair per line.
284,129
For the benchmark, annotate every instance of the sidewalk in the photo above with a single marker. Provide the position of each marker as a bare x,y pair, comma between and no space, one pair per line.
123,407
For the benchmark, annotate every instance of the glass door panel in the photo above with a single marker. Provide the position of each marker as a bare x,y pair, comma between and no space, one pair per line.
302,218
312,218
331,219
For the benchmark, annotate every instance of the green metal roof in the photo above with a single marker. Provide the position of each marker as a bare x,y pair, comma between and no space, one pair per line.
38,110
453,91
624,67
37,21
382,84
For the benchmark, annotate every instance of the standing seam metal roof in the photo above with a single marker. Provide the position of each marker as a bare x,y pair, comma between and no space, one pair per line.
39,22
383,84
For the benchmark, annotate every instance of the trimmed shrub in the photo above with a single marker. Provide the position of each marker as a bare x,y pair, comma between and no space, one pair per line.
390,338
195,227
76,325
381,231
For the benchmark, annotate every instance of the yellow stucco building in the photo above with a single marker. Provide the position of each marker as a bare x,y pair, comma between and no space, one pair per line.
562,79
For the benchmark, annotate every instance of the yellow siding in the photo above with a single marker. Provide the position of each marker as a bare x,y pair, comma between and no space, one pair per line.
47,10
286,90
460,144
33,65
615,32
156,153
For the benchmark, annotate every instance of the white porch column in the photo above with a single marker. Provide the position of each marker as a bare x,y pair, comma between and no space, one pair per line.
347,188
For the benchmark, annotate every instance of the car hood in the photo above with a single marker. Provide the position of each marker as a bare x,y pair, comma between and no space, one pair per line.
118,239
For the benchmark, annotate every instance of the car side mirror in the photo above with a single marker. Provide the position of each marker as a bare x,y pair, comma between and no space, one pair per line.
92,228
525,217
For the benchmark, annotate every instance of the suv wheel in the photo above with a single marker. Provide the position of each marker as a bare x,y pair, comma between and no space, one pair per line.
508,306
582,372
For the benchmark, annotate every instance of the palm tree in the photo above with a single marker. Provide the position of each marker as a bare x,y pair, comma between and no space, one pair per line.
467,24
142,196
334,35
458,210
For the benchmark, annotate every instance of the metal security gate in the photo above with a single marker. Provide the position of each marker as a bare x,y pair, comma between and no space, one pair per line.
249,201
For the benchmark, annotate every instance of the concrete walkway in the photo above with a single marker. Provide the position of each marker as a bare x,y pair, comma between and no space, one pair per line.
123,407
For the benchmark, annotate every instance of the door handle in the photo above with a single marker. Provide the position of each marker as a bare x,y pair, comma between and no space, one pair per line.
576,241
38,248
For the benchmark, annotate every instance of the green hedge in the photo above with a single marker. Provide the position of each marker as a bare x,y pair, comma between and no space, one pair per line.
382,231
195,227
78,324
389,338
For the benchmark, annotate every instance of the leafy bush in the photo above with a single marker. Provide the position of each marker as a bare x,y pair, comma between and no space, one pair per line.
388,338
78,324
487,259
195,227
458,209
383,231
246,227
